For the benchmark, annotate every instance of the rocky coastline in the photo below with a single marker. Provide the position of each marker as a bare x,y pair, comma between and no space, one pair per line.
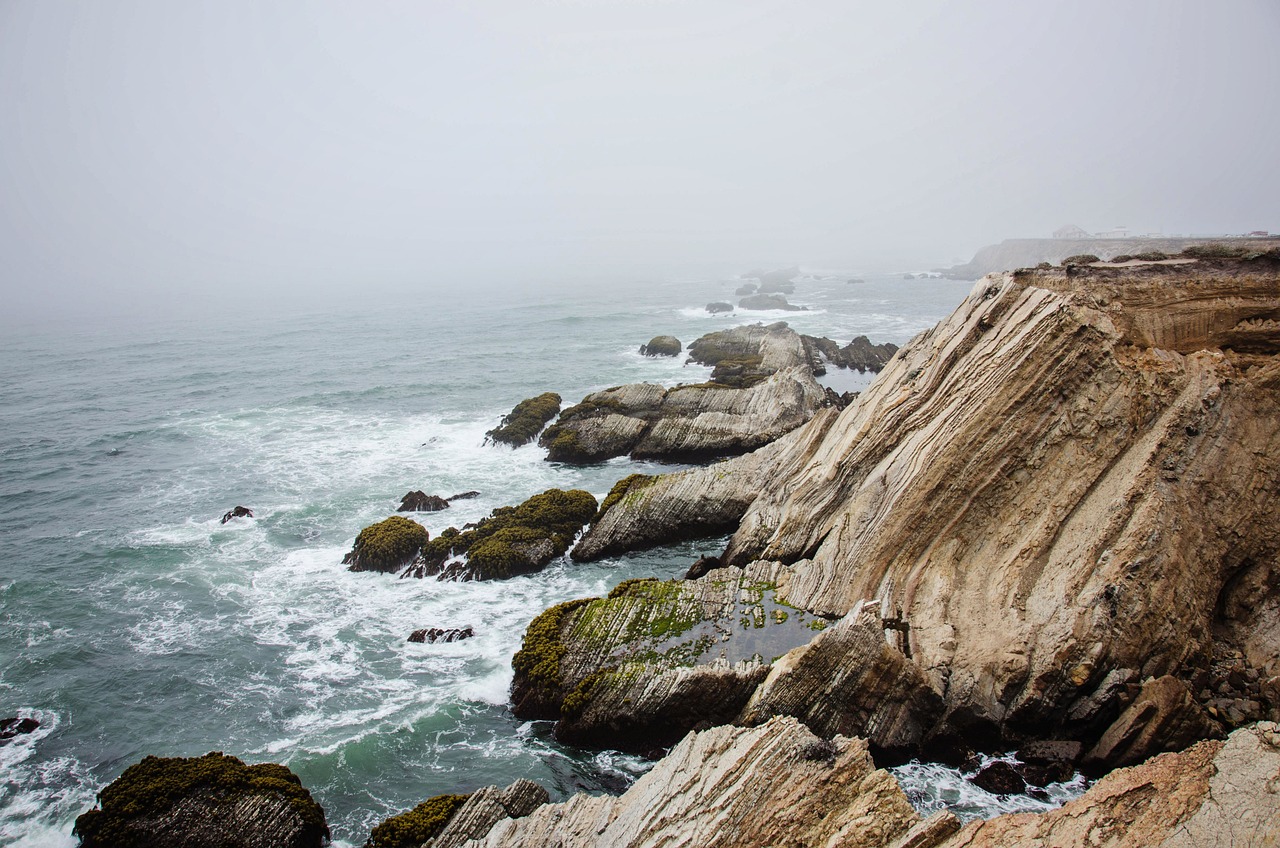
1050,526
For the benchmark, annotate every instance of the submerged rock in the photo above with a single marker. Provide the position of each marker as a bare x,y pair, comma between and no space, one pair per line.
214,801
719,306
463,496
386,546
11,727
523,423
420,501
237,512
511,541
698,422
661,346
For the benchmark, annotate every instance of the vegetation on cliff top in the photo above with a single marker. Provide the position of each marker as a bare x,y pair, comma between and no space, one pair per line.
526,420
412,828
387,545
150,788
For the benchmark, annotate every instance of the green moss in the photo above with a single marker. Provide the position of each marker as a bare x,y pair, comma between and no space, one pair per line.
387,545
818,624
149,788
576,701
629,588
597,408
423,822
526,420
555,515
632,483
537,663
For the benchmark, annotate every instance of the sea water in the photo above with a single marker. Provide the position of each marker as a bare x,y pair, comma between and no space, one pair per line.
133,622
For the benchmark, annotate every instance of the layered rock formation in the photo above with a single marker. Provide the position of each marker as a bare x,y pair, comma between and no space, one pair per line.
525,420
767,390
859,354
780,785
1021,253
1061,494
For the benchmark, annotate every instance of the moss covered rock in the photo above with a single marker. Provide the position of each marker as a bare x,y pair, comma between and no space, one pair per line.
511,541
411,829
387,546
662,346
523,424
214,800
1080,259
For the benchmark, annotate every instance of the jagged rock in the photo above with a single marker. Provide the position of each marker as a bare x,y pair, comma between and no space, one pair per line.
777,393
1163,718
511,541
1000,778
214,801
237,512
662,346
1063,488
526,420
11,727
849,681
463,496
859,354
640,668
439,634
767,302
719,306
486,807
420,501
386,546
732,788
1214,793
701,566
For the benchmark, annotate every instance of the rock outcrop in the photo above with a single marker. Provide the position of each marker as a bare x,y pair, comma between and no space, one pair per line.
765,302
386,546
431,635
203,802
510,542
762,388
237,512
1023,253
719,306
525,421
15,726
1059,495
661,346
859,354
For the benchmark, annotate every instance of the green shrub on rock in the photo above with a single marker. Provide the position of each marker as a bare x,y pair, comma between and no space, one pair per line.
1080,259
387,545
1214,250
1151,256
412,828
128,809
526,420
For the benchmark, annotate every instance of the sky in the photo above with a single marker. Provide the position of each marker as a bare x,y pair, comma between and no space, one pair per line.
162,150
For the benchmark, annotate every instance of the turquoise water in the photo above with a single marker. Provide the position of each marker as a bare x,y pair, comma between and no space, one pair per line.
132,622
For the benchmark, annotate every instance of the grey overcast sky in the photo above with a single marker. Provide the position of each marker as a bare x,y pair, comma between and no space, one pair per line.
170,147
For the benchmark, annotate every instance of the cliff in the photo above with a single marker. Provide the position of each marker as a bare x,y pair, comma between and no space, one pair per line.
1023,253
1060,500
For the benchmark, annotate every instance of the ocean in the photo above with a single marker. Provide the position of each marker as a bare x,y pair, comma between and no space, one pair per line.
132,622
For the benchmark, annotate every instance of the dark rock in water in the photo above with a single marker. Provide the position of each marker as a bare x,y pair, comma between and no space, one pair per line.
462,496
1046,774
854,281
214,801
438,634
768,301
511,541
719,306
859,353
11,727
420,501
701,567
526,420
662,346
386,546
448,821
1000,778
238,512
746,289
1048,752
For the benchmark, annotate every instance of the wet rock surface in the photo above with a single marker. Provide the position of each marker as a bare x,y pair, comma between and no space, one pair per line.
525,421
237,512
431,635
661,346
11,727
420,501
386,546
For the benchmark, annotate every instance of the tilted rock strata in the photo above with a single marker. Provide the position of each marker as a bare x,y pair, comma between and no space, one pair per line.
732,788
1066,488
765,390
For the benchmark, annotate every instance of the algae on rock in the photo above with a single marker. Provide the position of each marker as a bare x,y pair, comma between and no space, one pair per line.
386,546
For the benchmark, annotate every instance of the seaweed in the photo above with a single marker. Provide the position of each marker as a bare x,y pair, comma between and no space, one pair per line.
526,420
410,829
387,545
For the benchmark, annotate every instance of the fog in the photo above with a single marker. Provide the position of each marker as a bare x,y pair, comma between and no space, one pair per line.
156,154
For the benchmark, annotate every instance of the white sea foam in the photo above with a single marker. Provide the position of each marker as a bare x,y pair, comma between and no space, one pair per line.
39,799
933,786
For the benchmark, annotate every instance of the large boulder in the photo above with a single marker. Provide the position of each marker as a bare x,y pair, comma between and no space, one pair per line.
420,501
214,801
661,346
762,387
511,541
388,545
719,306
525,421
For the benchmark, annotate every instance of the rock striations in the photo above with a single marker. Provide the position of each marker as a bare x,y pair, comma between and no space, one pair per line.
1059,496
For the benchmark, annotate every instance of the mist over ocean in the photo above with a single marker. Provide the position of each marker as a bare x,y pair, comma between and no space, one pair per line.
132,622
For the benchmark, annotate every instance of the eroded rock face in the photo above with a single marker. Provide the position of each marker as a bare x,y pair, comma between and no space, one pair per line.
859,354
733,788
1063,491
214,801
763,388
